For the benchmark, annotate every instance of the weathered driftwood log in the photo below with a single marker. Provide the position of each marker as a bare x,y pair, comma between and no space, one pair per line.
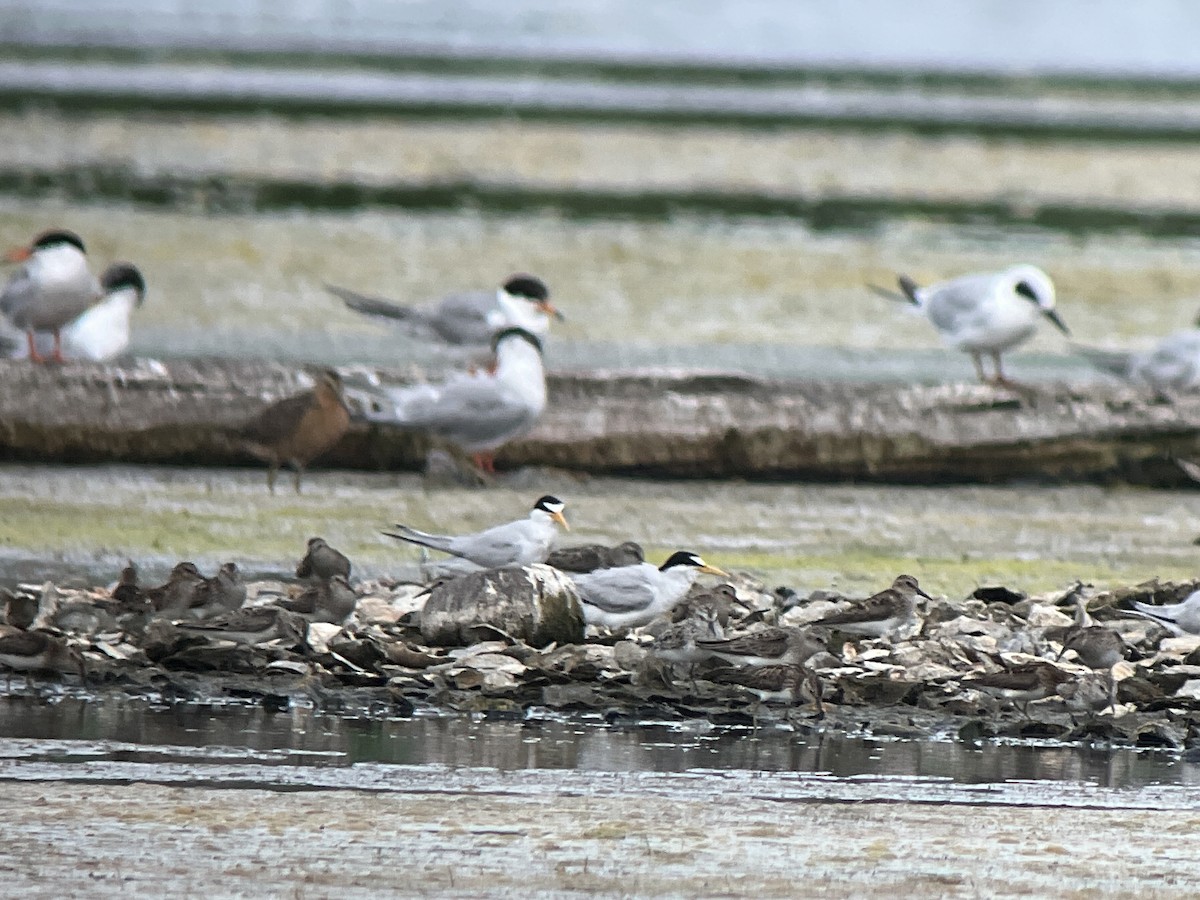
536,604
669,424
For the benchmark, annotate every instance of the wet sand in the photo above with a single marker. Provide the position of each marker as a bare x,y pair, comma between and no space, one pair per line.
480,832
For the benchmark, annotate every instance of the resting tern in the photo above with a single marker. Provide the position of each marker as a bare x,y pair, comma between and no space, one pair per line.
53,286
987,313
298,429
523,301
1178,618
1173,364
101,333
519,543
478,412
629,596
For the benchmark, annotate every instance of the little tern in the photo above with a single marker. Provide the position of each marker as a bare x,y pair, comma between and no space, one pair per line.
629,596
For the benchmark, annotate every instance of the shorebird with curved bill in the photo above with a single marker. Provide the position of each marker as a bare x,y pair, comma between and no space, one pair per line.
1178,618
986,314
52,286
630,596
470,318
1022,684
296,430
39,651
478,412
768,646
880,614
322,561
590,557
520,543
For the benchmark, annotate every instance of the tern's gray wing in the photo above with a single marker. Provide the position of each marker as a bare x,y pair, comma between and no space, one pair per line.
470,410
463,318
953,306
622,590
19,292
498,546
1174,363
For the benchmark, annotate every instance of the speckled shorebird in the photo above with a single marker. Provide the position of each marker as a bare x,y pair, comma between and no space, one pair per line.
252,625
298,429
223,593
1022,684
880,614
766,647
322,561
128,596
987,313
635,595
521,543
1097,647
477,412
329,600
722,599
53,286
37,651
1179,618
177,594
590,557
523,301
781,683
678,641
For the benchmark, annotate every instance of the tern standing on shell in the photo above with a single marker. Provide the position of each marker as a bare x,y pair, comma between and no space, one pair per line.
470,318
988,313
521,543
478,412
53,286
298,429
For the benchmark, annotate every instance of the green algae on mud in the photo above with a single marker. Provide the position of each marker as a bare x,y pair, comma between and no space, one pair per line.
856,538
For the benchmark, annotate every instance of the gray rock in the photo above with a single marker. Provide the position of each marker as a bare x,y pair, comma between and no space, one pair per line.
536,604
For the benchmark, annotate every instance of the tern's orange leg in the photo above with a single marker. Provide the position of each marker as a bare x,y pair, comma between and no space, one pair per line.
485,462
34,356
58,357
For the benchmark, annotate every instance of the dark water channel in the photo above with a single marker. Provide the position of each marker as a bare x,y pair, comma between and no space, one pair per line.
37,729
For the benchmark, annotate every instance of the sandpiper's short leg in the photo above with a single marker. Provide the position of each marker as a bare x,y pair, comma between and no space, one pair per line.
299,474
272,471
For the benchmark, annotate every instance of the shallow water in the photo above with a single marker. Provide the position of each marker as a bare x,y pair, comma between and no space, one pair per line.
80,731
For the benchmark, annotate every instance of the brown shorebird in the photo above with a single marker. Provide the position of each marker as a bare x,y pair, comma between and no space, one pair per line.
329,600
766,647
774,683
252,625
678,642
37,651
53,286
298,429
1022,684
322,561
1097,647
176,595
723,599
128,596
590,557
881,613
223,593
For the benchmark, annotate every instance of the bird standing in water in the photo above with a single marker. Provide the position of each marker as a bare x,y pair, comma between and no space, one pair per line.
298,429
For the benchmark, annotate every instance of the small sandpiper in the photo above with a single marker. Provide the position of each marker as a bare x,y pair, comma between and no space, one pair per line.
590,557
1022,684
771,646
252,625
1097,647
880,614
329,600
322,561
773,684
39,651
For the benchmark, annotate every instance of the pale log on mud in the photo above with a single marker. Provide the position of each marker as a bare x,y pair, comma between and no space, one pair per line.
653,423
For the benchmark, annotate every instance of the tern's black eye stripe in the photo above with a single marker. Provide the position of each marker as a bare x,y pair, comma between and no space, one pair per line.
1026,291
